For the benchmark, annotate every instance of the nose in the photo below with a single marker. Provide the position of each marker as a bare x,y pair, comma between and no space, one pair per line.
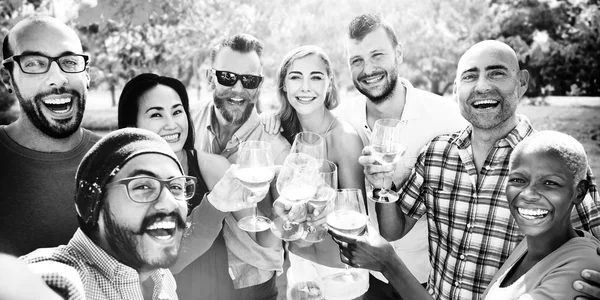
166,202
369,67
55,76
530,193
170,123
483,85
237,87
306,85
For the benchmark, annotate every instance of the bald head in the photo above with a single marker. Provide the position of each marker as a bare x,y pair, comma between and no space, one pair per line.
38,26
488,50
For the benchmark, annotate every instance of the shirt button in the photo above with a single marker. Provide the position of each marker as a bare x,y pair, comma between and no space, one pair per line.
456,284
462,257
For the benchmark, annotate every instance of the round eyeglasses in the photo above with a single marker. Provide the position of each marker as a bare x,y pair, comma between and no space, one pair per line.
147,189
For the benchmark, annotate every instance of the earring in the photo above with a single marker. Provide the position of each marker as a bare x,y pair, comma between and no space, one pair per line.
9,90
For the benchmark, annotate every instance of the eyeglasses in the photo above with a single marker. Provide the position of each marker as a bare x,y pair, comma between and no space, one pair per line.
230,79
40,64
147,189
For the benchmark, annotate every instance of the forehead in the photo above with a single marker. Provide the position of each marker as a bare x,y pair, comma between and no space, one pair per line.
159,96
160,165
539,160
308,63
482,57
375,40
237,62
45,38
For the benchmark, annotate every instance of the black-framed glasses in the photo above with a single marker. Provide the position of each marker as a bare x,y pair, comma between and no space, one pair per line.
145,189
227,78
40,64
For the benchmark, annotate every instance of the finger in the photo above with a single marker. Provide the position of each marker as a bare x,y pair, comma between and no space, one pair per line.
341,237
276,169
366,151
366,160
586,288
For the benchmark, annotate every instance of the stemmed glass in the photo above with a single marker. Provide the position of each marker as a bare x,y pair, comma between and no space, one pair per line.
309,143
386,149
349,217
297,184
326,193
255,159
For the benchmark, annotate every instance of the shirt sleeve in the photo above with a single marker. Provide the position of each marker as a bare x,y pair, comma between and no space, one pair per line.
412,200
586,215
206,223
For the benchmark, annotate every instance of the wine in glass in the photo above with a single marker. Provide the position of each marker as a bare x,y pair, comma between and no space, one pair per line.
386,149
328,172
296,184
309,143
255,160
349,217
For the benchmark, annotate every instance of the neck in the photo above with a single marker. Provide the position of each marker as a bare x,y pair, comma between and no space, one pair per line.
183,160
541,246
316,122
391,108
484,139
146,284
24,133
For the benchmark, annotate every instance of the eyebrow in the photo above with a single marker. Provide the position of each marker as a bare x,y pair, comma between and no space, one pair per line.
161,109
45,54
138,172
492,67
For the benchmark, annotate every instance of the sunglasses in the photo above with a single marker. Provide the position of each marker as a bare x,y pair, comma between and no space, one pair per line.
230,79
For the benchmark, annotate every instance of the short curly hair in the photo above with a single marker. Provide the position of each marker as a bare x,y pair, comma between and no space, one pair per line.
570,151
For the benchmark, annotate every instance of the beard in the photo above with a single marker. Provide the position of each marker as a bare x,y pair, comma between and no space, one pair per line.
126,246
232,116
388,87
58,129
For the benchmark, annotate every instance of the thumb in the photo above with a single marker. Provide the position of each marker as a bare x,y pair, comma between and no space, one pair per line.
276,169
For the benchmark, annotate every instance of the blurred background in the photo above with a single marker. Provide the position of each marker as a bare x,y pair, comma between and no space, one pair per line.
556,40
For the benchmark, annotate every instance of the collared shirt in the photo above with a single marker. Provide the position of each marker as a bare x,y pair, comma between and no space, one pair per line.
206,135
250,264
427,115
471,229
103,277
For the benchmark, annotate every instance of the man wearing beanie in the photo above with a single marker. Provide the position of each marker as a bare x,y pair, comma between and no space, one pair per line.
130,199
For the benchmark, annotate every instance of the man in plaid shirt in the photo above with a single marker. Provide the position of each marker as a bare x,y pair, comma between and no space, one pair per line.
459,182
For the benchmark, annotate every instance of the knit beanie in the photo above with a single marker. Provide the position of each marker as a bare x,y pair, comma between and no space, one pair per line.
105,159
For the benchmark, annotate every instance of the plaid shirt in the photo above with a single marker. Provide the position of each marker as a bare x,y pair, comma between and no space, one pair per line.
101,276
471,230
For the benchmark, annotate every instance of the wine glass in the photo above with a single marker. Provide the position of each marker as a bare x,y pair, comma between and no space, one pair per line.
297,184
349,217
328,171
255,159
386,149
309,143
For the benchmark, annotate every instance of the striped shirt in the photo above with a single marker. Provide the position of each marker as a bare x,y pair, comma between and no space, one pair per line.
102,276
471,230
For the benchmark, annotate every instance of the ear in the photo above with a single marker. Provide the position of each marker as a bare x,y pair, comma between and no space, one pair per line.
523,82
6,78
399,54
581,190
210,78
87,77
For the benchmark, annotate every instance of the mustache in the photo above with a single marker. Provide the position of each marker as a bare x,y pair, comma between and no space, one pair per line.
365,76
492,94
58,91
180,223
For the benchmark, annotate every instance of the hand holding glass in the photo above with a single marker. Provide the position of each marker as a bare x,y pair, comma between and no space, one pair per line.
325,195
386,149
255,160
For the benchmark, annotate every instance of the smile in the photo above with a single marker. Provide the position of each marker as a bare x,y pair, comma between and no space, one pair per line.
236,101
532,214
305,100
172,138
59,105
373,79
162,230
485,104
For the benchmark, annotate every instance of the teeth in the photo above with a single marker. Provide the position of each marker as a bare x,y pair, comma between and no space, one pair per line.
483,102
57,101
162,225
532,213
163,237
237,99
305,98
171,137
371,80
